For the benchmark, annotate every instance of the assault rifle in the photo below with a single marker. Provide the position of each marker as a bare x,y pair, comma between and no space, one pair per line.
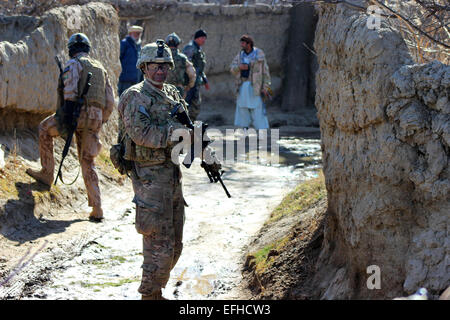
60,82
190,95
73,108
212,172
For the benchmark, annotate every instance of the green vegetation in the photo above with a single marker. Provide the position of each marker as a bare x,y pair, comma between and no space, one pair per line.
42,196
104,163
14,182
119,259
303,196
121,282
102,246
12,173
99,262
262,257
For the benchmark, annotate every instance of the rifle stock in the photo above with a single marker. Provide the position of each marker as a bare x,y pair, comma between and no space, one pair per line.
191,94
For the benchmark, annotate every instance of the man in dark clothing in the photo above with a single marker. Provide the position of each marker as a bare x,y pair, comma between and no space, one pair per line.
196,55
130,47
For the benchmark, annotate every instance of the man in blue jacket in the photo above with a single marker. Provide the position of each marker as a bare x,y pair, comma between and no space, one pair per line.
130,47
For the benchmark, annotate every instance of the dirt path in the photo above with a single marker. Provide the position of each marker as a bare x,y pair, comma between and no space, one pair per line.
102,261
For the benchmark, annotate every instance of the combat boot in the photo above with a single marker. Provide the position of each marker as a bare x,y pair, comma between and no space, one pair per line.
41,176
96,214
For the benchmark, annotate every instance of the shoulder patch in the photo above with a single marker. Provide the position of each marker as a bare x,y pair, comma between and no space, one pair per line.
70,64
143,111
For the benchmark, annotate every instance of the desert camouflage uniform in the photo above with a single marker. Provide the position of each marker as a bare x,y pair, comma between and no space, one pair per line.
91,119
259,73
144,117
197,56
177,75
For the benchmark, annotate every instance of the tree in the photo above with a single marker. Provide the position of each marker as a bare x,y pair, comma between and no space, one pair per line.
424,24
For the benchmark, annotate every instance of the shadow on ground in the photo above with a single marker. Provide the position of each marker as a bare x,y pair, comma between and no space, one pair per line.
20,220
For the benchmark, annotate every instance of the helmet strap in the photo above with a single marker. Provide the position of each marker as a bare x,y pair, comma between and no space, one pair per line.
155,83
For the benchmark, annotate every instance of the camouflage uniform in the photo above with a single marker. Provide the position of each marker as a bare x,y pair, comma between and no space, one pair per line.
195,54
183,68
147,127
89,124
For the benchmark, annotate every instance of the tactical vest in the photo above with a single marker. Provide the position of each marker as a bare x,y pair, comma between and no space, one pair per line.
96,95
199,61
178,75
150,156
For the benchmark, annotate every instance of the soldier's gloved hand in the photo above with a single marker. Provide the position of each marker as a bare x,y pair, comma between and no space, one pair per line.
211,160
216,167
213,167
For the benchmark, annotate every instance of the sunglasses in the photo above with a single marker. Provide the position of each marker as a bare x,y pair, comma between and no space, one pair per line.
155,67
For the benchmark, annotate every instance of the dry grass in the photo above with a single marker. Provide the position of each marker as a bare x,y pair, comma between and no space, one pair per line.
13,172
104,164
13,180
304,195
15,184
264,258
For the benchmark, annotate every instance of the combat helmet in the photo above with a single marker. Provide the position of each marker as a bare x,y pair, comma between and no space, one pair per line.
78,42
156,52
173,40
78,38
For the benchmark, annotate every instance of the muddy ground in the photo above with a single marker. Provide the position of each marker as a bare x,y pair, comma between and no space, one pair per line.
54,252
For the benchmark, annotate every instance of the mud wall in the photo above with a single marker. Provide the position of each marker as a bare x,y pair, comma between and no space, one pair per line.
224,25
386,137
28,71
